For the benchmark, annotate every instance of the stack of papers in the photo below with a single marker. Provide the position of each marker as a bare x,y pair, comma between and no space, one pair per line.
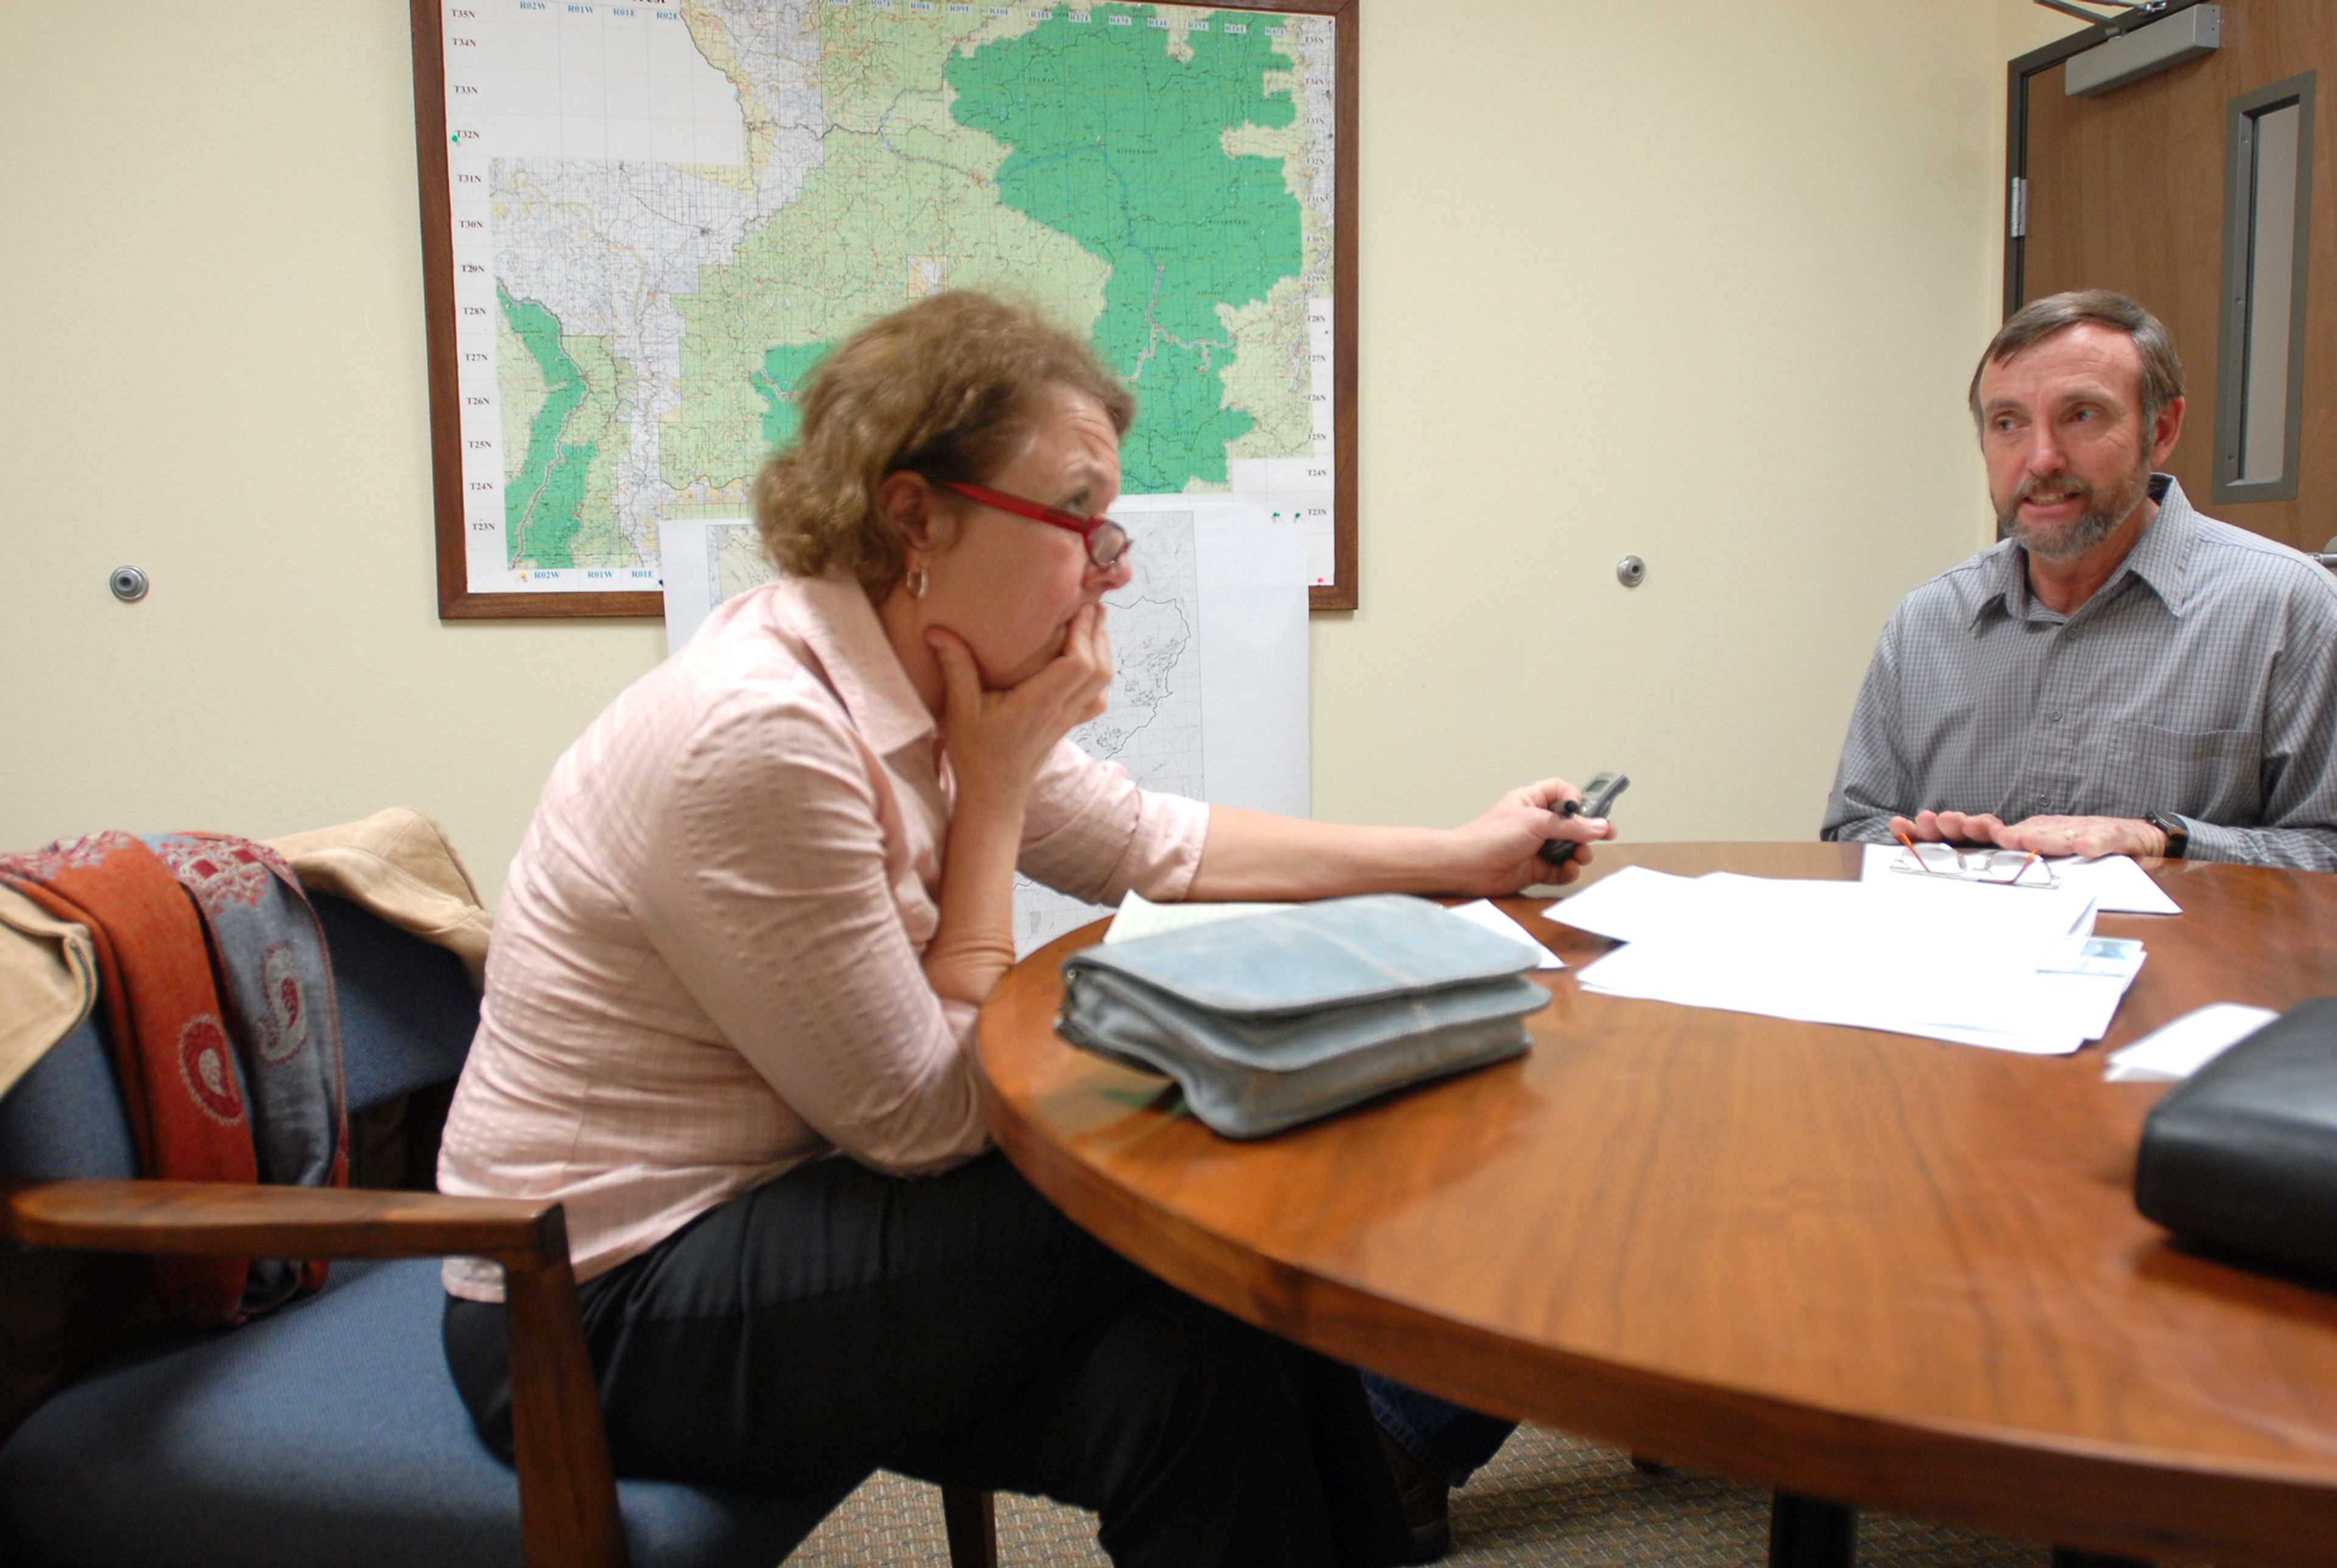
2013,970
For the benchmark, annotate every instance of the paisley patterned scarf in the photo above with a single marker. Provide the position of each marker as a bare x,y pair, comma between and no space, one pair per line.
220,1013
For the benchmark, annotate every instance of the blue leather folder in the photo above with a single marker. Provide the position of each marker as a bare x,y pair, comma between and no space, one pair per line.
1273,1020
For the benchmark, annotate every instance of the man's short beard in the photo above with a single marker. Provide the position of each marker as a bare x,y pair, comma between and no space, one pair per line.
2100,519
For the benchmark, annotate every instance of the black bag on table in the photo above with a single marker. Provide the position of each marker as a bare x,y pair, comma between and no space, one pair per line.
2242,1156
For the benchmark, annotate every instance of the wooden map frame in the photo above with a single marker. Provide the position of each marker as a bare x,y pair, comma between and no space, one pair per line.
456,601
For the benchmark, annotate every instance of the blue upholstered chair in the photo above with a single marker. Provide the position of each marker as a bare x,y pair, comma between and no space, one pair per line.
330,1431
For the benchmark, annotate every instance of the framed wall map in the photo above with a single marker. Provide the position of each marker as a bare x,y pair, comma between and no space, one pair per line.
643,223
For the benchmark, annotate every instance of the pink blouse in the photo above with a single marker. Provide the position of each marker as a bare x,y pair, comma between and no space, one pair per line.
707,968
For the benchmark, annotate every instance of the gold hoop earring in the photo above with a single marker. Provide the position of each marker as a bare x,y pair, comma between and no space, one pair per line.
920,580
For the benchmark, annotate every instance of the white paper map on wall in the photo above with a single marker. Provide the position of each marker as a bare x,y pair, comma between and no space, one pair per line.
1208,688
705,560
662,216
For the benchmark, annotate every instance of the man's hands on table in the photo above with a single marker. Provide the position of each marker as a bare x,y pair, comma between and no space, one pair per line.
2091,837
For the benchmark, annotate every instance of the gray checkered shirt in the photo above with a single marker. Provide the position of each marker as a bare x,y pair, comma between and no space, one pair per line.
2201,680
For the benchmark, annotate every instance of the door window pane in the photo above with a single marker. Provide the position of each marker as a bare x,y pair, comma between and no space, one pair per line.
2272,274
2260,369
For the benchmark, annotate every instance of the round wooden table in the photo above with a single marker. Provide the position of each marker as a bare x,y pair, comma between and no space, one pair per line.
1856,1266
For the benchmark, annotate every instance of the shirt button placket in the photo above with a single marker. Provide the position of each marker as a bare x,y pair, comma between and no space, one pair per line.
2053,793
2046,750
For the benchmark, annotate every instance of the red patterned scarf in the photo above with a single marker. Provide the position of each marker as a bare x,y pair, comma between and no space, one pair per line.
180,1082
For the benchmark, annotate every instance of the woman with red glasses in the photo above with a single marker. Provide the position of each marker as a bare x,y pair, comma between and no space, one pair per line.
731,1001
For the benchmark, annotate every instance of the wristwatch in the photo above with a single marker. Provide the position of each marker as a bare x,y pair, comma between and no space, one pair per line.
2178,837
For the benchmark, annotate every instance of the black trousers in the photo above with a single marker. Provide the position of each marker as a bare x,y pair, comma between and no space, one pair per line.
959,1330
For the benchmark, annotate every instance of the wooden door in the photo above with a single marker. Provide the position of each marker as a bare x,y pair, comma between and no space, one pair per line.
2127,192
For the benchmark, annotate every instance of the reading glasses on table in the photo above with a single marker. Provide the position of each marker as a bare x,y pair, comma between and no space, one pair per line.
1993,868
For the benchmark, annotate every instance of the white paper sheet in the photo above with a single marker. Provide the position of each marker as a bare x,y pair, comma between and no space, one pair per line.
2122,887
1209,695
2181,1049
1141,917
2011,1016
1626,905
1254,642
1635,903
705,560
1486,914
1960,962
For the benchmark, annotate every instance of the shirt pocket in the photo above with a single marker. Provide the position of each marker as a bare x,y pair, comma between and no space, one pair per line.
2214,775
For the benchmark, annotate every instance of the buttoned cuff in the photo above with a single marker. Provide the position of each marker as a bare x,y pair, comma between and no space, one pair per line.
2209,841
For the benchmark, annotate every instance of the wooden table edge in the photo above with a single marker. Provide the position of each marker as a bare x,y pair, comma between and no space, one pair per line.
2039,1486
1951,1472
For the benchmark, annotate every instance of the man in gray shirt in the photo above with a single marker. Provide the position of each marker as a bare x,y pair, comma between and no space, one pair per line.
2118,674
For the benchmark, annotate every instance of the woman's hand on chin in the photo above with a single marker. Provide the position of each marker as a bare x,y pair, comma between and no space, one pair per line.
997,740
1500,852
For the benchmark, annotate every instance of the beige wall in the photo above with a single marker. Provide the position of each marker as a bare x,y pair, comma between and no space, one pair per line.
1699,282
1695,281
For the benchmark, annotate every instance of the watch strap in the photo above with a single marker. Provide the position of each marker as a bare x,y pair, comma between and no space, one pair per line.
2177,831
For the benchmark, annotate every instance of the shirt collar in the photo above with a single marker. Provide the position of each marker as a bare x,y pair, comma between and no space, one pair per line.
2162,555
2008,590
839,627
2159,558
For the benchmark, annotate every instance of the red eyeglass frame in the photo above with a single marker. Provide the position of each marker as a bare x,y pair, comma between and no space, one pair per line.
1107,541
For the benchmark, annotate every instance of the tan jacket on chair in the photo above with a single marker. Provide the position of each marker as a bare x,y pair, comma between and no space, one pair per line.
397,863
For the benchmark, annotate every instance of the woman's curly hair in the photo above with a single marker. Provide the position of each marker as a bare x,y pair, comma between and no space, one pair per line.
944,388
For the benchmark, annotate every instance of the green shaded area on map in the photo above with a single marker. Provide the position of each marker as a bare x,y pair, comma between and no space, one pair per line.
543,500
903,201
1120,145
784,369
804,278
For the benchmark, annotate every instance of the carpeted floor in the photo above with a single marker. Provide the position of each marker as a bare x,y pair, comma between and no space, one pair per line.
1548,1500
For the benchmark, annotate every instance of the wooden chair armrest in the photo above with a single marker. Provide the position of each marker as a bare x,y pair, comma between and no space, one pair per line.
567,1486
238,1220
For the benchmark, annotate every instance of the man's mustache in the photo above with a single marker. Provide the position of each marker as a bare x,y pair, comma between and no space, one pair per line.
2061,483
